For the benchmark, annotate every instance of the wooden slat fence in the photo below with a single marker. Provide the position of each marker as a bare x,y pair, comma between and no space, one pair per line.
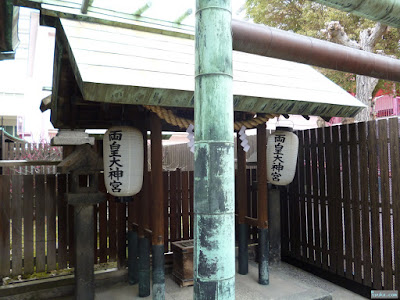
34,209
29,206
178,187
30,152
342,211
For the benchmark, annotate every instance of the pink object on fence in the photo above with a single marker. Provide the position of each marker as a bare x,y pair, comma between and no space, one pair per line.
335,120
386,106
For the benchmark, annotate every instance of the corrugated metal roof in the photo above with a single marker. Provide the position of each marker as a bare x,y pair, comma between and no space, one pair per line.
120,65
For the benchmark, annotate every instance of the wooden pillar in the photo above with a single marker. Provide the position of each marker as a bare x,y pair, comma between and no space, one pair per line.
157,209
262,205
243,228
84,252
143,241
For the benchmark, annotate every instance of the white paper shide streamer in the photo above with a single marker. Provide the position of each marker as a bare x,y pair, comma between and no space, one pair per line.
190,132
282,149
123,161
243,138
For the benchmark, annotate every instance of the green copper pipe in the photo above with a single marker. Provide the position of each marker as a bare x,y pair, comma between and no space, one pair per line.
186,14
142,9
384,11
214,242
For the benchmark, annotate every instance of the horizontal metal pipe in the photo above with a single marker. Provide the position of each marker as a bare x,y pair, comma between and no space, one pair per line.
271,42
384,11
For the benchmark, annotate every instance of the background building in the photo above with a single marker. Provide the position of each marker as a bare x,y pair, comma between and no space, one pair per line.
27,79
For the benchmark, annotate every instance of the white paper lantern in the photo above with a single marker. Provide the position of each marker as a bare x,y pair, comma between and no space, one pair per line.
282,149
123,161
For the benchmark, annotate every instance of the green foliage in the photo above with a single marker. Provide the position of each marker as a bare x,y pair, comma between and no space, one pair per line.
309,18
346,80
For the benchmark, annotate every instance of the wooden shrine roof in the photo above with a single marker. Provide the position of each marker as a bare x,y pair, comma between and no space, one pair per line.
127,66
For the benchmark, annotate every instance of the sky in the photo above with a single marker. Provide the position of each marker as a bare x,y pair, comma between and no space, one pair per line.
23,80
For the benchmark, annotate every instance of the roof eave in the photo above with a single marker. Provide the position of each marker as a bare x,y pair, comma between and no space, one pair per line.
8,29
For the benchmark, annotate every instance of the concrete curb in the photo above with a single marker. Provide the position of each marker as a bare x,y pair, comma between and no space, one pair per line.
60,286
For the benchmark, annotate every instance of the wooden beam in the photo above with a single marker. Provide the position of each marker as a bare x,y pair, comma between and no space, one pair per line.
8,29
15,163
251,221
157,180
143,206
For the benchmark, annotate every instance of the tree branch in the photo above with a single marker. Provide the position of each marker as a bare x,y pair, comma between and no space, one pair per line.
369,37
335,33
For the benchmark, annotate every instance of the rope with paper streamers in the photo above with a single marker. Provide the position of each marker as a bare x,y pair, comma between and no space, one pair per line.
184,123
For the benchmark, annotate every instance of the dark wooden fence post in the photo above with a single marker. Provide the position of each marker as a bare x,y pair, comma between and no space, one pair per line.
395,159
243,228
5,225
374,198
143,241
262,208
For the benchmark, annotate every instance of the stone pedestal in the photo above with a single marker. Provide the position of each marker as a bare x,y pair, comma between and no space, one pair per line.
85,163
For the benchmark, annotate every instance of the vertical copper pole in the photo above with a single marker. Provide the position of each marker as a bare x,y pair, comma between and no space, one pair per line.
157,208
144,242
243,228
262,205
214,169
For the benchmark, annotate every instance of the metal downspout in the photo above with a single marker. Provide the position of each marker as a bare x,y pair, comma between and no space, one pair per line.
214,243
384,11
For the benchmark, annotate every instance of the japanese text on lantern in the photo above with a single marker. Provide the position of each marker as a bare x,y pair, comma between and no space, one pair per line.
277,164
115,166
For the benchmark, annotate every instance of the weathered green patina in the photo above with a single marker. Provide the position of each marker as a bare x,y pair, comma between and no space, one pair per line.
133,262
144,267
186,14
384,11
263,250
214,257
142,9
158,272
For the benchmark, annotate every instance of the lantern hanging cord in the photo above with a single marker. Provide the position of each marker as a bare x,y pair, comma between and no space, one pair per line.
169,117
